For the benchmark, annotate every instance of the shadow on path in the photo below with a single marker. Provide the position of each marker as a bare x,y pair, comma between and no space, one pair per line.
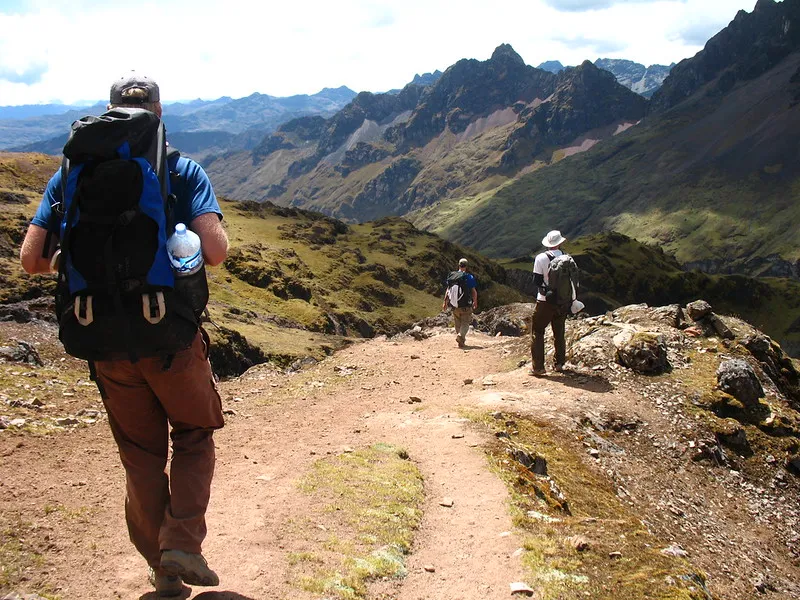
210,595
591,383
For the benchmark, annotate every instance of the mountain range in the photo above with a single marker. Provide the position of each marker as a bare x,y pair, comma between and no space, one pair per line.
495,153
203,128
198,127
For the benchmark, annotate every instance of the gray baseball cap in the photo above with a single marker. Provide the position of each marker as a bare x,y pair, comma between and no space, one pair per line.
129,90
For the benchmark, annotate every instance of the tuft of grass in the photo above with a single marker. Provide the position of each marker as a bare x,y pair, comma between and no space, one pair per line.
369,501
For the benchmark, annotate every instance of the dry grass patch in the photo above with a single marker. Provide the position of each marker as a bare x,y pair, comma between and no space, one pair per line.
365,507
580,541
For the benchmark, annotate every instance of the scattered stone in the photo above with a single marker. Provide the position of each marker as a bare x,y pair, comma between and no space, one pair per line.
674,550
763,584
67,421
536,464
17,423
5,422
719,327
414,399
457,436
468,381
488,381
536,515
18,596
414,356
229,411
429,568
446,502
579,542
698,309
615,555
737,378
594,452
522,588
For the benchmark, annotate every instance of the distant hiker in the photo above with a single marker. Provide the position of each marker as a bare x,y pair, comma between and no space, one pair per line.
120,306
555,277
462,296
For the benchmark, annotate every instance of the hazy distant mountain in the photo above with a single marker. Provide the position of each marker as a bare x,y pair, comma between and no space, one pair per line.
25,111
212,121
553,66
634,76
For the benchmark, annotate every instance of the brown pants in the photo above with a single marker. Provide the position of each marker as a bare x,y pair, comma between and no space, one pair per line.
462,319
142,399
546,314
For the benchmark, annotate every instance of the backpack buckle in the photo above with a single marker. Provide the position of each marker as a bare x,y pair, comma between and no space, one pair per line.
83,306
153,307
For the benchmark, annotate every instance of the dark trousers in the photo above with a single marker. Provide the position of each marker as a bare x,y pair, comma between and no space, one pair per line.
546,314
143,400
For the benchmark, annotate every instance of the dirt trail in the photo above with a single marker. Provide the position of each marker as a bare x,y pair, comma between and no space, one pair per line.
281,426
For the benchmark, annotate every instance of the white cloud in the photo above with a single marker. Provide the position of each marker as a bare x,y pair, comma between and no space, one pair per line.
207,48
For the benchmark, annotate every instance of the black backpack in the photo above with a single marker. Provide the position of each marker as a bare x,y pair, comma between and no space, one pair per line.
562,281
457,289
116,296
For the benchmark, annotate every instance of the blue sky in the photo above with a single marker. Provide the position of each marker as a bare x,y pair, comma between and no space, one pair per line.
71,51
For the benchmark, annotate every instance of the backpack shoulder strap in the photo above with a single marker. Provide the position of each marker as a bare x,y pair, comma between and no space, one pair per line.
550,255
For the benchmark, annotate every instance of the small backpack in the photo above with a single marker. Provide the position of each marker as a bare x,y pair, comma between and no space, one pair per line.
457,291
115,296
562,281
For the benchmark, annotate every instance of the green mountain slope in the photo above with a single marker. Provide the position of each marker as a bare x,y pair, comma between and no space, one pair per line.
714,181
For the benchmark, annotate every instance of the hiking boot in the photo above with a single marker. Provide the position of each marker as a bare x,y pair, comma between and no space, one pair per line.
559,367
460,341
192,568
166,586
538,372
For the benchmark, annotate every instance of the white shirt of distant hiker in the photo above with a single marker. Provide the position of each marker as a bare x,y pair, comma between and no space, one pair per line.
540,266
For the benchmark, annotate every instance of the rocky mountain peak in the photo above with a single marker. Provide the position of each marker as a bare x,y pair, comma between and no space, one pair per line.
505,53
750,45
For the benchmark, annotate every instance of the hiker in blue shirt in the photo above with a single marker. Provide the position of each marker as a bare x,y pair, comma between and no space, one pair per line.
462,296
151,400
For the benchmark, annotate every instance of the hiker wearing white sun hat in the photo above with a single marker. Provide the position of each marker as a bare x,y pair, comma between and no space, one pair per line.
547,311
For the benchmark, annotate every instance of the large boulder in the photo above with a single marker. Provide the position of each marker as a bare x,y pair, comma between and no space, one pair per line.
642,351
737,378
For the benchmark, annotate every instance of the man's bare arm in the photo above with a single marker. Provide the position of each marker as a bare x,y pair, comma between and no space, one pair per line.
213,238
31,252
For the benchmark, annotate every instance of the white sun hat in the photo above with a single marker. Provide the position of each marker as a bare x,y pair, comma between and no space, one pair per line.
553,239
577,306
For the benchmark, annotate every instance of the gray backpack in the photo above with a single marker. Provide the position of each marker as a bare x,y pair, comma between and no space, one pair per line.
562,281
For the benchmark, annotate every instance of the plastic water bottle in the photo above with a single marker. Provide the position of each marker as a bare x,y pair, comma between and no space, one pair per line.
186,258
185,253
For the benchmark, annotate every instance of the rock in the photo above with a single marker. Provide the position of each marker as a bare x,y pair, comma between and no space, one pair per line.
446,502
17,596
414,399
674,550
429,568
698,309
536,464
719,327
793,464
5,422
580,543
734,437
615,555
23,352
737,378
66,421
642,351
468,382
522,588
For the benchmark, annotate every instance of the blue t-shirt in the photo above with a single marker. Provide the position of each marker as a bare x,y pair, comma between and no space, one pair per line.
470,281
192,189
